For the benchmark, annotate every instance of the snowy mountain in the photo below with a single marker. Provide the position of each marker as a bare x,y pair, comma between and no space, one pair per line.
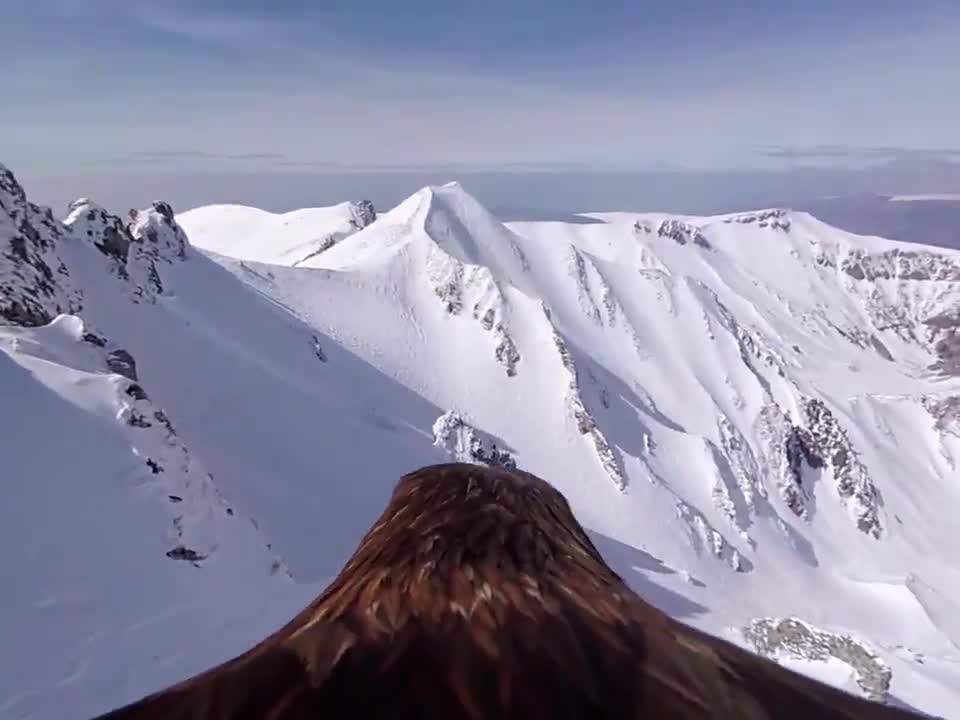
287,239
756,416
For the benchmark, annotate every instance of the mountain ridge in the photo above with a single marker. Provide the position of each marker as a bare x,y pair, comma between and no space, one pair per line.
724,416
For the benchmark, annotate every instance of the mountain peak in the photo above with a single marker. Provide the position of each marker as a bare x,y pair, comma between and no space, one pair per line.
35,284
157,226
106,231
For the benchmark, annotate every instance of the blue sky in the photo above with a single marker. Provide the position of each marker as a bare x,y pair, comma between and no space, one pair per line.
101,87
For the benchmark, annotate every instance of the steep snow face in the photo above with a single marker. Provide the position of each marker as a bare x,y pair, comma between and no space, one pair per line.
726,401
762,443
184,460
120,544
292,238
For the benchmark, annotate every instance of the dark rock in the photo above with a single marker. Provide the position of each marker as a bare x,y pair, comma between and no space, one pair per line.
138,420
106,231
166,212
161,417
184,553
881,348
776,219
682,233
945,330
506,352
122,363
317,350
853,483
798,447
34,281
136,392
363,214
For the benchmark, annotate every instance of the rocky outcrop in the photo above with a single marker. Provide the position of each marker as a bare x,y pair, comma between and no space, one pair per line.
683,233
466,443
707,539
944,333
107,232
945,412
830,447
775,219
122,363
158,241
737,486
577,268
911,293
35,284
586,424
900,264
458,285
798,454
677,230
362,214
754,350
784,456
796,639
798,448
138,249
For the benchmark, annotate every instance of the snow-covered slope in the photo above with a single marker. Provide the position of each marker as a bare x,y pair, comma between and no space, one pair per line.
287,239
184,462
757,417
744,408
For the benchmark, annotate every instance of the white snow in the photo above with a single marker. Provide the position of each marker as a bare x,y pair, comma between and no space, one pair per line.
655,383
249,233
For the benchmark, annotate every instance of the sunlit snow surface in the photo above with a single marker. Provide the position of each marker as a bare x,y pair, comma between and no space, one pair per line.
653,371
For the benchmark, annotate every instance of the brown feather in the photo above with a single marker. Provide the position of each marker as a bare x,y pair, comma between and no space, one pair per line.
477,594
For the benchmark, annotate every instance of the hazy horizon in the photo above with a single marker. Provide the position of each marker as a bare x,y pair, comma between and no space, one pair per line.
686,105
549,191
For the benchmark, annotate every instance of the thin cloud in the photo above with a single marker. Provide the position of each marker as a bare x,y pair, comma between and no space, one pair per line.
164,155
256,156
884,152
205,25
170,155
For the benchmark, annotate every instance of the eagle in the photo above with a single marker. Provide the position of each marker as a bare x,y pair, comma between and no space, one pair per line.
478,595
